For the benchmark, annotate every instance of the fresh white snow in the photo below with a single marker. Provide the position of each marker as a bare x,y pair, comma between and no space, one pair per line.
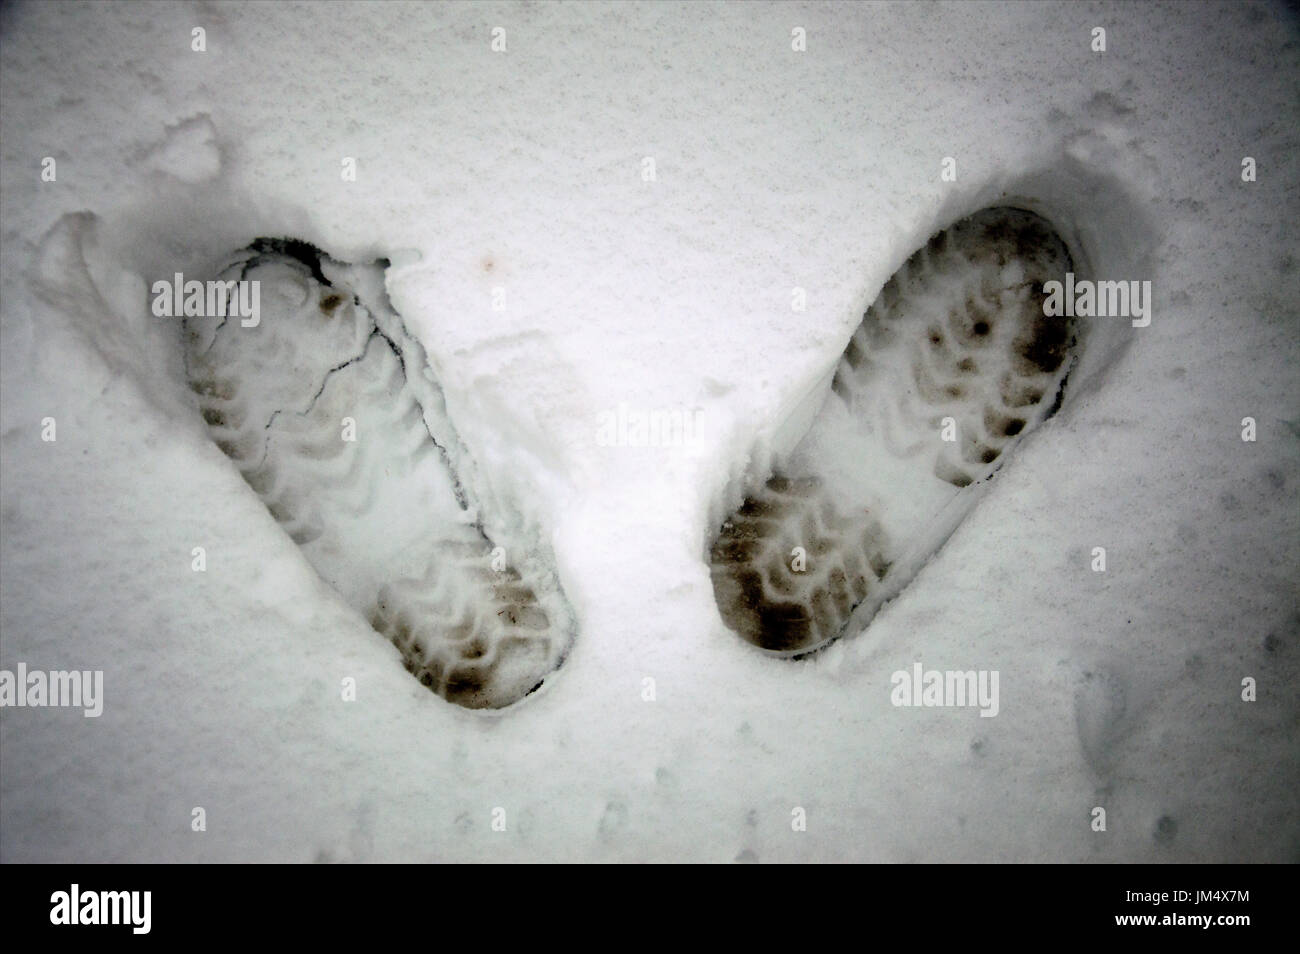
524,170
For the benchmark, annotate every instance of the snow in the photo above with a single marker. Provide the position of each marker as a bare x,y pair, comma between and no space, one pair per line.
774,169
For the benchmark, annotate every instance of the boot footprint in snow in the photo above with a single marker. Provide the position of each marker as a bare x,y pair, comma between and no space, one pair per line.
952,365
330,411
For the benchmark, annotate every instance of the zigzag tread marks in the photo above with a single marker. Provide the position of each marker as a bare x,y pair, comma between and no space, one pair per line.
275,398
779,599
310,447
463,623
308,456
992,358
957,332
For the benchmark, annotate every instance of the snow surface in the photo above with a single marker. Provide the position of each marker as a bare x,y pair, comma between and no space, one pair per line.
775,169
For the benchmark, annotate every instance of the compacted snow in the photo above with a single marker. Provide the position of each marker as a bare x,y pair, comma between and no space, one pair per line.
615,214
